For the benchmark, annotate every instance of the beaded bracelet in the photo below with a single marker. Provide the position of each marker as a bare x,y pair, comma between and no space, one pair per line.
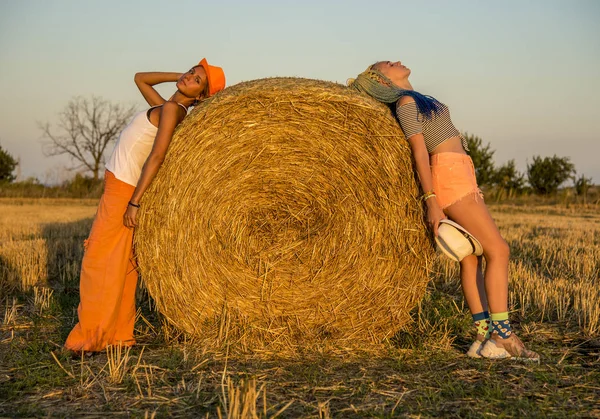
427,195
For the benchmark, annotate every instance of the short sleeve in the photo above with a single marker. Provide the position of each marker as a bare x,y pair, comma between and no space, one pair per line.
408,118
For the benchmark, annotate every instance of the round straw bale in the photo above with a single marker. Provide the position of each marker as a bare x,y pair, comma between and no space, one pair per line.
285,213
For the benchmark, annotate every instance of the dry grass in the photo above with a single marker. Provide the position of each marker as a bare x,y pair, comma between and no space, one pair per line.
38,240
299,223
555,266
117,360
422,372
42,298
10,312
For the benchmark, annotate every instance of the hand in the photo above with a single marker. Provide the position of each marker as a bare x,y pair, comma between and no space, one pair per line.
434,215
129,220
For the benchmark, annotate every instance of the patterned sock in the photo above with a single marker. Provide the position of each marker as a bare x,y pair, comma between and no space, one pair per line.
501,324
482,324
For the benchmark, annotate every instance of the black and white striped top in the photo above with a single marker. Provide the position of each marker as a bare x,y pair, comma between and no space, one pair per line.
435,130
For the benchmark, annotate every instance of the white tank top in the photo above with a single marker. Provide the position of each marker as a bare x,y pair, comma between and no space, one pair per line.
133,148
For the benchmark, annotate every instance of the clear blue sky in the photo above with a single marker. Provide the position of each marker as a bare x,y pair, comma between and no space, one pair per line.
521,74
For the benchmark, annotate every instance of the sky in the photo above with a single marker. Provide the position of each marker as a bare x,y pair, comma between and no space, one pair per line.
523,75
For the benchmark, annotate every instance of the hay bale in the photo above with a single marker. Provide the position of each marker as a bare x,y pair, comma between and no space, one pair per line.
285,212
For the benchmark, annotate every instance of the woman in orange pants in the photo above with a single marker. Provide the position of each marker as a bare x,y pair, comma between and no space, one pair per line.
108,272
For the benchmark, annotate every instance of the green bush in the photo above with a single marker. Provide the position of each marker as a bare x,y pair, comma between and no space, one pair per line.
508,178
78,187
582,185
83,187
482,157
7,166
548,174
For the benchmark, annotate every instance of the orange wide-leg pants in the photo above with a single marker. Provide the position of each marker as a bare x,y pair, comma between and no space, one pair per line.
108,276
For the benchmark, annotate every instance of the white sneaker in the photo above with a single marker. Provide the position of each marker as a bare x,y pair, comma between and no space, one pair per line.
475,349
511,347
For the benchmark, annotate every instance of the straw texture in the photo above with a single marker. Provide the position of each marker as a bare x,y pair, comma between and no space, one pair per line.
285,213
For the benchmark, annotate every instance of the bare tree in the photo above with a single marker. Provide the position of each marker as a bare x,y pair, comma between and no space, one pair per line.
84,130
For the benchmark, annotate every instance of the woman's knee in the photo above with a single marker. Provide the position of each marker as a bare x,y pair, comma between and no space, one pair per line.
499,249
469,263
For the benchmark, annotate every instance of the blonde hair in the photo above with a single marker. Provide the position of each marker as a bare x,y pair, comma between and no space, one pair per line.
380,87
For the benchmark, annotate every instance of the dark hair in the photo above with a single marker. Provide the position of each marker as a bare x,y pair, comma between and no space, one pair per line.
206,90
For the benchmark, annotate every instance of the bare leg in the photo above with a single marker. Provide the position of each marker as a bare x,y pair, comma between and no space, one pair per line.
473,215
471,278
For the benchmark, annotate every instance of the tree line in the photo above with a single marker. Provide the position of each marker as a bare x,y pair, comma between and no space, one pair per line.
86,127
544,175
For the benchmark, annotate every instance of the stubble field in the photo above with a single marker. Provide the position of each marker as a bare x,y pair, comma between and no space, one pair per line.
422,372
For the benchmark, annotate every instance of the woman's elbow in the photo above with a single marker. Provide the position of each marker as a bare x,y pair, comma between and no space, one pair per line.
157,158
418,151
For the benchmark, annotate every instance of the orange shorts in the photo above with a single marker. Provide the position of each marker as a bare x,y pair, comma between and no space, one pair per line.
453,178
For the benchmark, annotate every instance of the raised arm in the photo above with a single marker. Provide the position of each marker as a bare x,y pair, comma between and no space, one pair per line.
145,81
171,115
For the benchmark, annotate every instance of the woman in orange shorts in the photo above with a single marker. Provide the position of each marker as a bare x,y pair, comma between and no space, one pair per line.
108,273
447,176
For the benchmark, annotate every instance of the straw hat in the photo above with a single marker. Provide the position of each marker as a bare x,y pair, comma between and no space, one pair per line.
215,77
456,242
